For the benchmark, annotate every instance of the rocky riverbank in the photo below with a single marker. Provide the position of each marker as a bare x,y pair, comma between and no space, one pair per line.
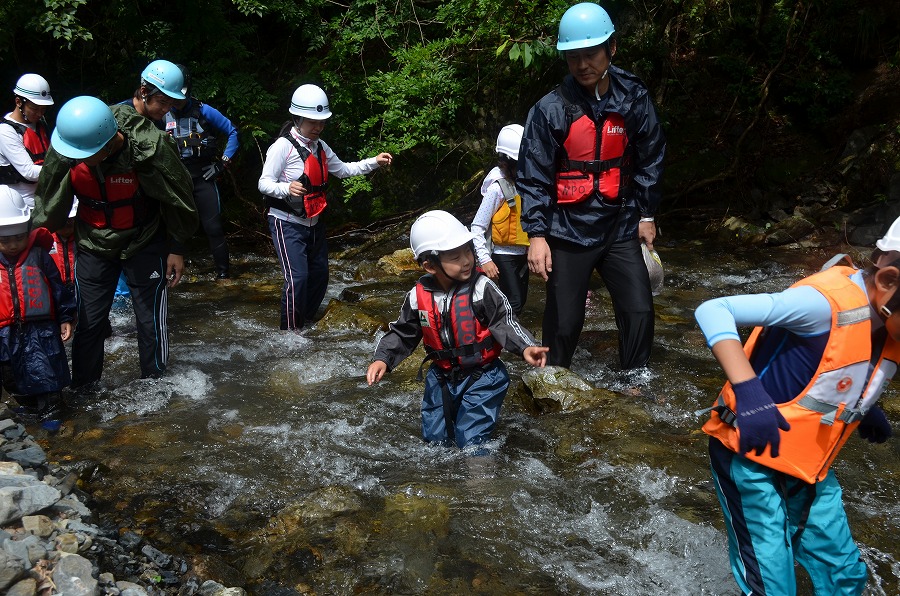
52,543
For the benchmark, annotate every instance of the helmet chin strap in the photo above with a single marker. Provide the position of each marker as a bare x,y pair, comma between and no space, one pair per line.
597,87
22,111
893,303
891,306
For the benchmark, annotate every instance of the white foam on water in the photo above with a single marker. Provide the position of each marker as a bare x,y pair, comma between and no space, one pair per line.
535,469
145,396
876,560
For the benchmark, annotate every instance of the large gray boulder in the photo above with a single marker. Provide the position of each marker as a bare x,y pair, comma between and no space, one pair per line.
22,495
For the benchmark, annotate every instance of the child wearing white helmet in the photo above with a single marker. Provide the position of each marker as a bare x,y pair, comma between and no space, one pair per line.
464,321
810,374
25,136
293,181
36,312
500,211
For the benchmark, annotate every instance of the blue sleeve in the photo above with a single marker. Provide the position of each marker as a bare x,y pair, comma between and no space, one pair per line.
802,310
223,125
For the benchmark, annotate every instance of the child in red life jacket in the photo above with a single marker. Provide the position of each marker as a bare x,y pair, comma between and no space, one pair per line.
36,311
464,321
63,251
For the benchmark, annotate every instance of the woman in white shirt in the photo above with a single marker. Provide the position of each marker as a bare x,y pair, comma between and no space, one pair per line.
293,180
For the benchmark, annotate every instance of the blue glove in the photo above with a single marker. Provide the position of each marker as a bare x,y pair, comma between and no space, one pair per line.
212,171
874,426
758,419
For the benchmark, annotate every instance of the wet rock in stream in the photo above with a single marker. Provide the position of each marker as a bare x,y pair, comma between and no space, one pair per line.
51,542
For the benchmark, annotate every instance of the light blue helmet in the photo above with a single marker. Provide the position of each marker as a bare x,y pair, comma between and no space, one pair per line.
165,76
83,126
582,26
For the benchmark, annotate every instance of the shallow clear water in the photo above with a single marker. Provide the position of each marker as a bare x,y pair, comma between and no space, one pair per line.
268,449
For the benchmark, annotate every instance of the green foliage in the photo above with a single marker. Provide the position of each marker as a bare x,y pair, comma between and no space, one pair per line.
59,21
432,82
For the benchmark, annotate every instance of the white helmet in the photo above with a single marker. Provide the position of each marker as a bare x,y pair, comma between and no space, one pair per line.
436,231
14,213
654,268
310,102
891,240
509,139
34,88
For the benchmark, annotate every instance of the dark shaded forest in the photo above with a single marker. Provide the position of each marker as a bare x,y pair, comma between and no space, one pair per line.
764,102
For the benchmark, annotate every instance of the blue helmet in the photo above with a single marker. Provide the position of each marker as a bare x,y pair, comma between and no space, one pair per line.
165,76
83,126
582,26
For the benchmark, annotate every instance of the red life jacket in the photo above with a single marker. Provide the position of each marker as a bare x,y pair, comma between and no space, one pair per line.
458,340
314,179
114,201
25,294
63,253
595,161
35,140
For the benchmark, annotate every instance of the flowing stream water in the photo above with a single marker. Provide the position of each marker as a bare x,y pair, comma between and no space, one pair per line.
268,450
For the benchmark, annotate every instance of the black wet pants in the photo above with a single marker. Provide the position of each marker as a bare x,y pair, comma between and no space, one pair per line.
209,208
96,279
625,276
513,280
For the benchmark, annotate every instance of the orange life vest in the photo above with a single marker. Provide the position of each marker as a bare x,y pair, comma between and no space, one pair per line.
36,142
826,412
25,294
595,159
458,340
506,224
112,201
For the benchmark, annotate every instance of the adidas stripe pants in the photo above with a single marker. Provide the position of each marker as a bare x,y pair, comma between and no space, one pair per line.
96,279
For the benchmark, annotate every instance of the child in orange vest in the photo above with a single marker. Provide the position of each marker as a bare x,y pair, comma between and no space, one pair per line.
500,212
809,375
36,312
464,321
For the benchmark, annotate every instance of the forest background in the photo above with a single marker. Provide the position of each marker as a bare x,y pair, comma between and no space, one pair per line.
767,104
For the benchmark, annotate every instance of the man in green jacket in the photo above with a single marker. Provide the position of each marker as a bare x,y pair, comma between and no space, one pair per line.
135,211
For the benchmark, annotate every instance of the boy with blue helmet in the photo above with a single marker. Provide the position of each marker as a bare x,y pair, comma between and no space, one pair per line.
589,174
135,209
202,133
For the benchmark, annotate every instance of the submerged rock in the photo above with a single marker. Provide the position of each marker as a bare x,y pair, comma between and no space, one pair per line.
557,389
342,316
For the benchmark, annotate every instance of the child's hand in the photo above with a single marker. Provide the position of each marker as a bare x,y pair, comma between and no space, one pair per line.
536,355
65,331
376,371
384,159
490,269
